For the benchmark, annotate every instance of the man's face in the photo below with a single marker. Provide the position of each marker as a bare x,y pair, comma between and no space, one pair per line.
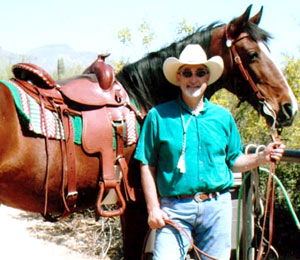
192,80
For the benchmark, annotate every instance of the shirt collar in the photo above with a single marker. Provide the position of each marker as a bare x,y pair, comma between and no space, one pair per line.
186,108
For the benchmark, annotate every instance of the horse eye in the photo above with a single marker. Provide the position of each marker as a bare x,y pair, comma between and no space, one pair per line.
253,55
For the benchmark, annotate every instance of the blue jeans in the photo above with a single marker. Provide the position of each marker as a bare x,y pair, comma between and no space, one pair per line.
208,222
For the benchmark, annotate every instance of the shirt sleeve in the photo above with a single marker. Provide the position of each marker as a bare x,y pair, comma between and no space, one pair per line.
147,147
234,144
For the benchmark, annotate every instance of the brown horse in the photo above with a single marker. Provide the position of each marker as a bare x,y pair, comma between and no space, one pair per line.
249,73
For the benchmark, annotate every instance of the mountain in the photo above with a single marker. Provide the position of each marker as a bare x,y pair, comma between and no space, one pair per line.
7,57
46,57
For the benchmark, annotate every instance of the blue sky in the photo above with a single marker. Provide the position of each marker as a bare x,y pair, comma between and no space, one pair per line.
92,25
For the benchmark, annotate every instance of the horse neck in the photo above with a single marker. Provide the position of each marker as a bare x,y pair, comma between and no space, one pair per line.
212,89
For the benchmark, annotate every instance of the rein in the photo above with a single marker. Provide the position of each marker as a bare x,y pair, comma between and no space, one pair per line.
269,206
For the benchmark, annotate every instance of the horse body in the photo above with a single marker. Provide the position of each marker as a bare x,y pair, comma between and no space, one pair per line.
26,179
22,166
24,162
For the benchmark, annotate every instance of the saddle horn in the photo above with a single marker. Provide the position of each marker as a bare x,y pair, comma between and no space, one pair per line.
104,72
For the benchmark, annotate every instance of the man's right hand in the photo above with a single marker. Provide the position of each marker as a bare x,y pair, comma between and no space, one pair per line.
156,218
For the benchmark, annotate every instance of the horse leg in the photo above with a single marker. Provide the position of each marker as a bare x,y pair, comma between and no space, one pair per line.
134,222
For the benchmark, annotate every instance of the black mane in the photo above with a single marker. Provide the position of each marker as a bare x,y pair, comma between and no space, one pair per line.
144,80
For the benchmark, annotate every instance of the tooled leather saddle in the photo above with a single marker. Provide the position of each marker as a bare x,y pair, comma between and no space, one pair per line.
101,101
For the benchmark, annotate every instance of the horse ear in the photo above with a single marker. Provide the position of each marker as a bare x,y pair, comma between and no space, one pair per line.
256,18
236,27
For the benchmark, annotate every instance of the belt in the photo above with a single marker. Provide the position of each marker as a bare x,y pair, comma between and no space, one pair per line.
201,196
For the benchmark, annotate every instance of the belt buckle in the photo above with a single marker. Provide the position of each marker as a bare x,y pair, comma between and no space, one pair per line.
197,197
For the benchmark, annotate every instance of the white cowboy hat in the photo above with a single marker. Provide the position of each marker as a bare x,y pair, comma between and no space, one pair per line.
193,54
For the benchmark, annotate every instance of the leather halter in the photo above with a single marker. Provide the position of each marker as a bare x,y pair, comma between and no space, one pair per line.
230,43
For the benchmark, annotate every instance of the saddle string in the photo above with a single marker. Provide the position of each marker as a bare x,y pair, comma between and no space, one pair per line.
70,165
64,149
44,122
72,194
70,199
140,114
60,128
120,157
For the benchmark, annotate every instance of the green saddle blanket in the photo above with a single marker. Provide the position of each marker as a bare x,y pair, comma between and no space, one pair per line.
29,112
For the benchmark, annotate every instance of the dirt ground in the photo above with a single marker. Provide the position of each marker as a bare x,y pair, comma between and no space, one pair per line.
26,236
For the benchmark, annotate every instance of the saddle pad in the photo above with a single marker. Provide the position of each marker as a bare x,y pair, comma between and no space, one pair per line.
30,114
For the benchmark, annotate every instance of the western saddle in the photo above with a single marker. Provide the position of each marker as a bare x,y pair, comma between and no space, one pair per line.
101,101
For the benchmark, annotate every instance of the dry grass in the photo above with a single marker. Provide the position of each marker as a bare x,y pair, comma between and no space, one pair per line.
81,233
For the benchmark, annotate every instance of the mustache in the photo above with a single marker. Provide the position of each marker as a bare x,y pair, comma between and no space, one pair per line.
196,85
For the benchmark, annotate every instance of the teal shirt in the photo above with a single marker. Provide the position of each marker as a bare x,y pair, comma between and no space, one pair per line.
213,144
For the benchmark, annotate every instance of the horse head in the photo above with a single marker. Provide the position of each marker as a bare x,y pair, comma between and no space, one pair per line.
249,72
257,78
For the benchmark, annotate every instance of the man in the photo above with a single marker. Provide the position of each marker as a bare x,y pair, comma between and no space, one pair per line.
188,150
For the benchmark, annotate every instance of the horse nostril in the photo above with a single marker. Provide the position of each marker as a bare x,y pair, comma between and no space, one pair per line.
286,115
288,109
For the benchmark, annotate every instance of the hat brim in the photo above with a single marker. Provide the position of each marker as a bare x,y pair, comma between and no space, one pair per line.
171,65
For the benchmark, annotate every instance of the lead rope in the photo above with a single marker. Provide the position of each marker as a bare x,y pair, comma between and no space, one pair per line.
269,206
285,194
186,235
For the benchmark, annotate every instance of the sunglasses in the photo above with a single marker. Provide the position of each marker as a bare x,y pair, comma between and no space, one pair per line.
187,73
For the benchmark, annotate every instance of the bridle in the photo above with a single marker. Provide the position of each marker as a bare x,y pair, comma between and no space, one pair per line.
230,43
236,59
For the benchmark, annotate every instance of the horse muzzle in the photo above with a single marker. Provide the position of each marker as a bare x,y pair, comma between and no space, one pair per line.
284,117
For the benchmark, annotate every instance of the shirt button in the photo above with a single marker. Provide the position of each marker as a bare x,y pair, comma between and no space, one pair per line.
200,147
201,163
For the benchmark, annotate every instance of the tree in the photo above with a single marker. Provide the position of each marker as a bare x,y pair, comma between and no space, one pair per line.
124,35
143,35
68,72
291,71
60,68
5,68
147,34
184,29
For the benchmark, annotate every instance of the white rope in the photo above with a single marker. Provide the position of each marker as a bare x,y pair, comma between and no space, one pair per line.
181,165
